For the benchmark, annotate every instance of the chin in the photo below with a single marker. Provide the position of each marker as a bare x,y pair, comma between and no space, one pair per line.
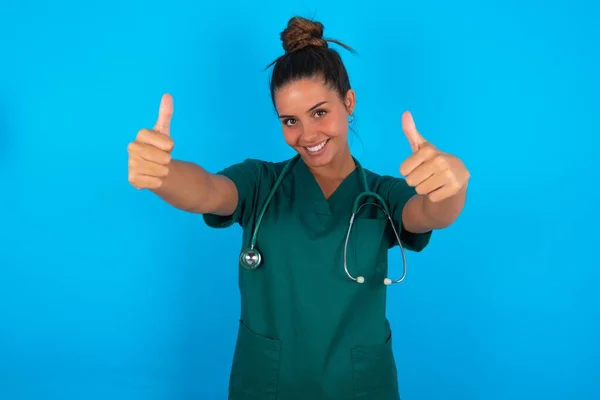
316,163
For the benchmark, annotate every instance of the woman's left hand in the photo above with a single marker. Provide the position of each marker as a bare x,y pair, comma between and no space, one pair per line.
433,173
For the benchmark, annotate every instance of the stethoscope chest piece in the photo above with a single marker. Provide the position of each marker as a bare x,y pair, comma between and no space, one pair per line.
250,258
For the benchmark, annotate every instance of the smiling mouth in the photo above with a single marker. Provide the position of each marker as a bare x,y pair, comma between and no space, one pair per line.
316,148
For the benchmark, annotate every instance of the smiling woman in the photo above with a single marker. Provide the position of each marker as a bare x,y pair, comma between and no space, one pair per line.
311,91
315,124
313,329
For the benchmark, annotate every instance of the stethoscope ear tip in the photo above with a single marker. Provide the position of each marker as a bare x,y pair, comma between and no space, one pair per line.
387,281
360,279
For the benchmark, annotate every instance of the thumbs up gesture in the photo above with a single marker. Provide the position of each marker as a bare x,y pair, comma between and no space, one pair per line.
432,173
150,152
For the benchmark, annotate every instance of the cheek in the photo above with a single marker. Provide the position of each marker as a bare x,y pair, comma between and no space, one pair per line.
333,126
291,135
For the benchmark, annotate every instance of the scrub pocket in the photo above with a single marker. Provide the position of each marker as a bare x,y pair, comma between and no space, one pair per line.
255,368
374,372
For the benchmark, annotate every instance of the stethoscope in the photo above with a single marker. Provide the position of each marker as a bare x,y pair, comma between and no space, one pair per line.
251,257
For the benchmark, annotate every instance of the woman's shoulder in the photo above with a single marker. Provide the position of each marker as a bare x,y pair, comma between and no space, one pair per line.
264,166
382,182
259,169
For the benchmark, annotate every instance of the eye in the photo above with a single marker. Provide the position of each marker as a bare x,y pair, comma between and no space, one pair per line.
289,121
320,113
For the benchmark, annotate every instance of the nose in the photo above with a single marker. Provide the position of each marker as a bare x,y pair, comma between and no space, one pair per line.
309,135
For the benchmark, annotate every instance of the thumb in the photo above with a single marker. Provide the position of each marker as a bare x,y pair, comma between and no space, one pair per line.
165,112
410,131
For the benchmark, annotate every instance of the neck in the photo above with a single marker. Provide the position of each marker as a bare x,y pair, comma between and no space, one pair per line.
339,168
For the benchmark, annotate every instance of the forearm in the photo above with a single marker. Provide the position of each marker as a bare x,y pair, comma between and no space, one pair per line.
187,187
445,212
422,215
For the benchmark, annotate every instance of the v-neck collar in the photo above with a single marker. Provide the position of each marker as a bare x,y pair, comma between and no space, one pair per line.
314,195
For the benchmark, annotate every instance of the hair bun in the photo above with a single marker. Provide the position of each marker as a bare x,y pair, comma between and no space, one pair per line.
301,33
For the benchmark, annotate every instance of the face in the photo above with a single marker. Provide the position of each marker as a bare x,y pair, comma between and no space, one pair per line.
314,120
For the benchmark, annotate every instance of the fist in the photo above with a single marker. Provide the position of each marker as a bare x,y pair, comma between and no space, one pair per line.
431,172
150,152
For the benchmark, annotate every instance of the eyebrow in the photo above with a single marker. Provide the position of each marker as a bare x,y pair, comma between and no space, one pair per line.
309,110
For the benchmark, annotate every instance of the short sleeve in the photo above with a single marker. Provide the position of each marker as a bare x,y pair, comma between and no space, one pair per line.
397,196
247,177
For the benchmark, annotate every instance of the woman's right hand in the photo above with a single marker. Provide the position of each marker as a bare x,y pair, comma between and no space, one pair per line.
150,152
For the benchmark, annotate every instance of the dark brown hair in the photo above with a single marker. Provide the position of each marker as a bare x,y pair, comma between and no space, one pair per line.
307,55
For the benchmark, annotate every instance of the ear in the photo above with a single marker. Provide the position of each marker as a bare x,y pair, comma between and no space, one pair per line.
350,101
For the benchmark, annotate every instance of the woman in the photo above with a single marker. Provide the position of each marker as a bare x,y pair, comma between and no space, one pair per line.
309,329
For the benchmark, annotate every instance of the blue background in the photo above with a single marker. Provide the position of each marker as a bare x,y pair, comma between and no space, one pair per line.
108,292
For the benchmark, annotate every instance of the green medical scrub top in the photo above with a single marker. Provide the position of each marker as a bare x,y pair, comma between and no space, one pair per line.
306,330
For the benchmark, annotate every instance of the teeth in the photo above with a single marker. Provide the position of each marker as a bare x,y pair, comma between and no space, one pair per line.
317,147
